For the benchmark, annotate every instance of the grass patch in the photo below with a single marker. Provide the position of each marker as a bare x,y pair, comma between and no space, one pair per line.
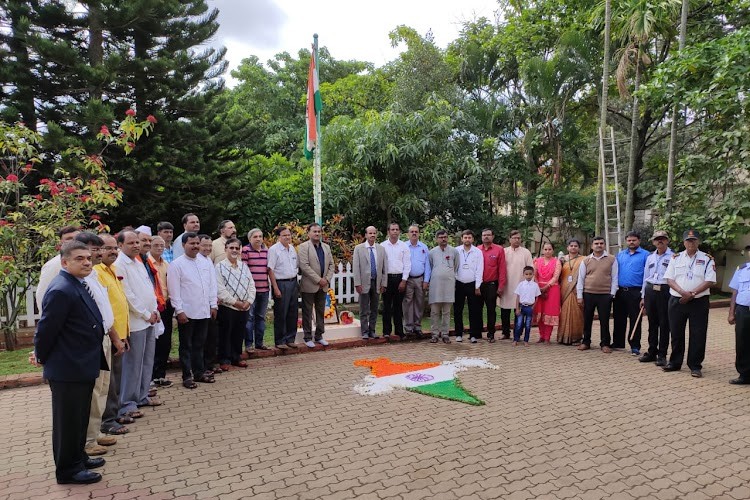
14,362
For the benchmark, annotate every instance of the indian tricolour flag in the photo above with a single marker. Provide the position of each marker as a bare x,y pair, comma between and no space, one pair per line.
432,379
314,105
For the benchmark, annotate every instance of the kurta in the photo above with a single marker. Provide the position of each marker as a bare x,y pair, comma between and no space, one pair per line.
443,264
515,261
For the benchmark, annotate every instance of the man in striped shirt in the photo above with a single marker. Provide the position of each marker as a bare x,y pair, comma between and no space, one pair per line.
255,255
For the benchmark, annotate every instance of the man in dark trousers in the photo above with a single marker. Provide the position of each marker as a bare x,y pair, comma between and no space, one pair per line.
68,343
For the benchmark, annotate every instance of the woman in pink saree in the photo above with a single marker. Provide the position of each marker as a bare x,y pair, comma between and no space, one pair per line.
547,307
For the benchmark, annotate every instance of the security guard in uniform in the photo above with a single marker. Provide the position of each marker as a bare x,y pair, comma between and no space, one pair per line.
689,274
739,316
655,298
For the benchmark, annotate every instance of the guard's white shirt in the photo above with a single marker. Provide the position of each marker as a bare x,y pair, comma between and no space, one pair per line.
399,258
282,261
192,286
470,265
138,290
691,271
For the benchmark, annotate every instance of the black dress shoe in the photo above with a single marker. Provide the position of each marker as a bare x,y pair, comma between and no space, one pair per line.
671,368
661,361
647,358
95,463
83,477
696,373
739,381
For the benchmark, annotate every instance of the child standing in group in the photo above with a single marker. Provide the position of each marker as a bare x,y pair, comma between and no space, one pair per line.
526,293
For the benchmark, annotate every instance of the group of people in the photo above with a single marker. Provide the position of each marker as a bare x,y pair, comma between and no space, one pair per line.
672,289
108,303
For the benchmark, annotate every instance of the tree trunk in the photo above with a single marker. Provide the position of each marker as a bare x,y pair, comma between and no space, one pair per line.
634,149
24,79
673,127
96,45
603,109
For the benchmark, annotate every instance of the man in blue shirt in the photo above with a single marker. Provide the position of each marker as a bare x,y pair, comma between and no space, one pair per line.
739,316
627,304
418,282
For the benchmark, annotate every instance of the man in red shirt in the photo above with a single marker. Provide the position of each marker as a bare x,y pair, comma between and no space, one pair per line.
493,279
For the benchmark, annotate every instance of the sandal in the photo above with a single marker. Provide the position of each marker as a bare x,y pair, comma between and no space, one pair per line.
117,431
153,402
134,414
152,393
206,378
124,420
189,384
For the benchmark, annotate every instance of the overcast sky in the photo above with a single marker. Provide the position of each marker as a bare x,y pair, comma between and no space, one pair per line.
351,29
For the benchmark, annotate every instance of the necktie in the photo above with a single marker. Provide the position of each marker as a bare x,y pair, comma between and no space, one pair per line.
88,289
373,268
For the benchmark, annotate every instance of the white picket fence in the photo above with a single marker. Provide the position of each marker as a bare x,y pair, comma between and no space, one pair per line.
343,284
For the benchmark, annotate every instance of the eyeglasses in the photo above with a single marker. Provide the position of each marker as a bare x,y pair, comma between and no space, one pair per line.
108,249
233,248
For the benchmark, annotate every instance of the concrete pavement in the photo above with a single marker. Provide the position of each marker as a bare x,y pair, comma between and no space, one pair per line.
557,423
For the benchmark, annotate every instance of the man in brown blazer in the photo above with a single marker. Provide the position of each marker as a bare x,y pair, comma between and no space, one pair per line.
316,268
370,279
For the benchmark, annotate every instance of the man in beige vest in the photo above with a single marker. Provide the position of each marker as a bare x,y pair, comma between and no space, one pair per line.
597,286
316,268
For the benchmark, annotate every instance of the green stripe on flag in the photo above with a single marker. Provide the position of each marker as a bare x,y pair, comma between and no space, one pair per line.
449,389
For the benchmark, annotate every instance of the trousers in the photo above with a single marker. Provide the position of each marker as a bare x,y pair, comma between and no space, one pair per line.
696,312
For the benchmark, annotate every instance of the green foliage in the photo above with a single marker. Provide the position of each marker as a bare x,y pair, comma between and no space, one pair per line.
712,192
32,210
391,165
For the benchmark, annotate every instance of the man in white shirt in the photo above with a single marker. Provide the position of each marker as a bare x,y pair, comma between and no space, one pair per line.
192,290
690,275
52,267
282,271
399,266
190,223
143,314
468,287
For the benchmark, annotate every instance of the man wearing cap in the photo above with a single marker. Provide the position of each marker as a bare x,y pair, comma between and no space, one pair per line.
655,300
689,274
739,316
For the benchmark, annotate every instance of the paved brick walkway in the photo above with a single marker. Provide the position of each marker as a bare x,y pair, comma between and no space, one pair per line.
557,424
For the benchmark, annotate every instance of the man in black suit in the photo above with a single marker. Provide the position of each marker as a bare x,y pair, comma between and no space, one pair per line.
68,343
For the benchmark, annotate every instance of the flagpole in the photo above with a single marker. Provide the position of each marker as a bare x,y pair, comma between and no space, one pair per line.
317,184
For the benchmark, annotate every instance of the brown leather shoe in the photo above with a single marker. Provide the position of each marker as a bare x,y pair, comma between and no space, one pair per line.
106,440
583,347
95,450
606,349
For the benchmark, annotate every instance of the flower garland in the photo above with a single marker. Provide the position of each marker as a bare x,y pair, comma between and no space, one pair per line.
330,311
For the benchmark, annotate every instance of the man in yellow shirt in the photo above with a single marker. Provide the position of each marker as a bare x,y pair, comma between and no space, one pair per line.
108,277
